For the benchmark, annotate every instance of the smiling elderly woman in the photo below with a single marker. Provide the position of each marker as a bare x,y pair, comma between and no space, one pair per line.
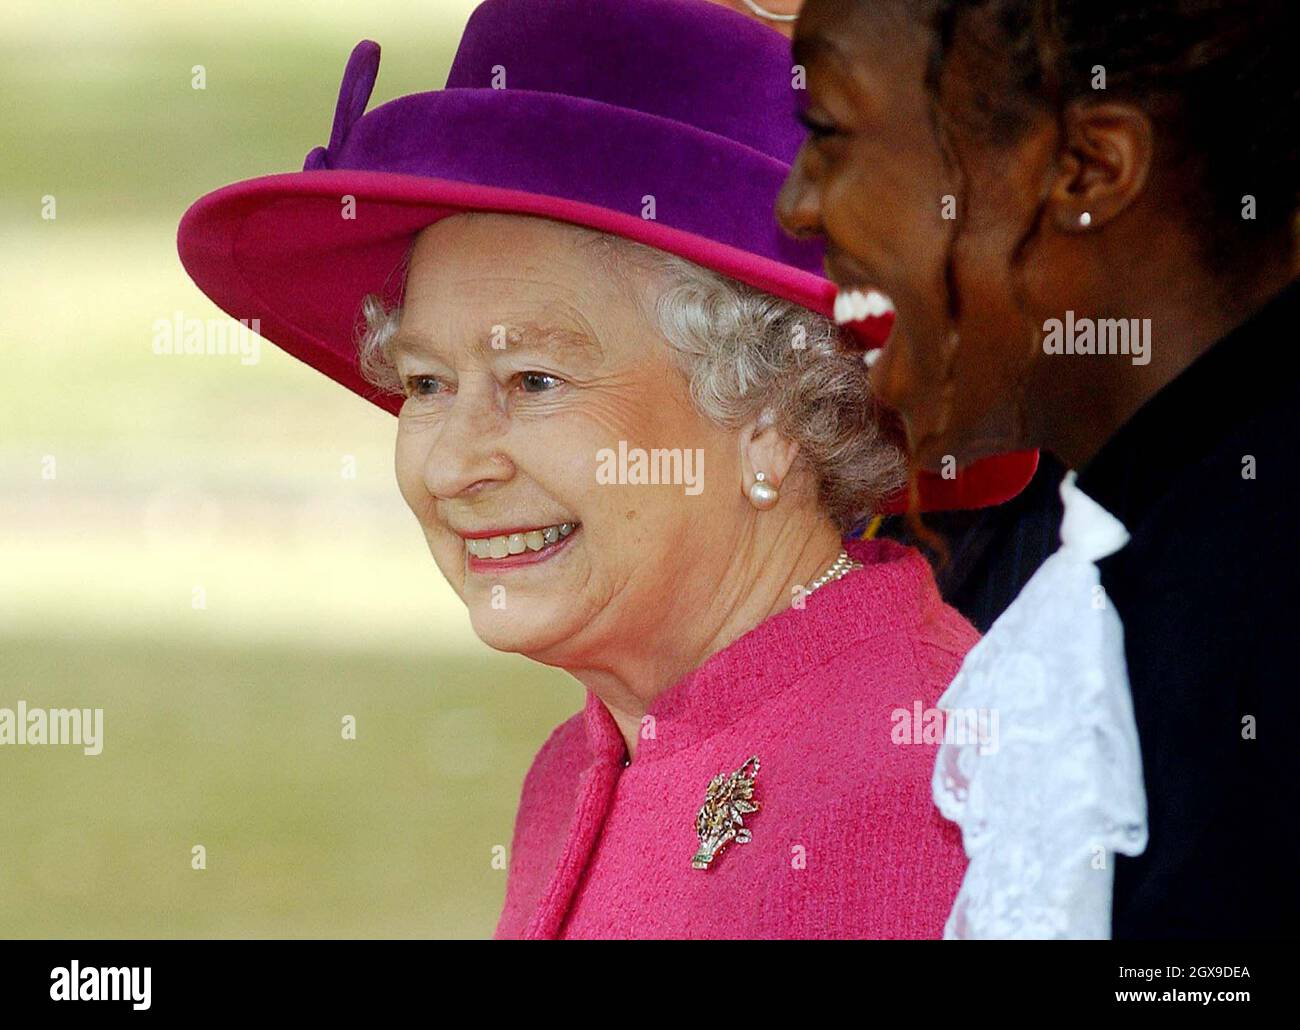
520,383
747,762
724,633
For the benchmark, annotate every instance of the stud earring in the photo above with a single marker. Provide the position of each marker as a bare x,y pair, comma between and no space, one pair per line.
763,495
1085,219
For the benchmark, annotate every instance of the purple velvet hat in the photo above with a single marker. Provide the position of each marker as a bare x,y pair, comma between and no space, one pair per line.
668,122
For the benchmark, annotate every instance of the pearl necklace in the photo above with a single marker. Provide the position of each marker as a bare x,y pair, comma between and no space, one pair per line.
840,568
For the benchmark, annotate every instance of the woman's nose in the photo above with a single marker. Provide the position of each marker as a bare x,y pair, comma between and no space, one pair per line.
798,205
466,454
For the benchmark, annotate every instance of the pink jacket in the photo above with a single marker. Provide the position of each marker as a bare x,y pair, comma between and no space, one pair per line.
846,841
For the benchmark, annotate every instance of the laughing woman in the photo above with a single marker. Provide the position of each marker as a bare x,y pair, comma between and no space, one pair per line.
582,264
1112,162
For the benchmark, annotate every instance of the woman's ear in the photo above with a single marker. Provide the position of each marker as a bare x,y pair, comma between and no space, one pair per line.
763,449
1105,160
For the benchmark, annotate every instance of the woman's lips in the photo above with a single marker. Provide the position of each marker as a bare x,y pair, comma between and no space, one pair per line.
857,305
489,552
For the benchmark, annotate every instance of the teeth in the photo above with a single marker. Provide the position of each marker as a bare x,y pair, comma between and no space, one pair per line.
879,304
841,308
854,305
516,543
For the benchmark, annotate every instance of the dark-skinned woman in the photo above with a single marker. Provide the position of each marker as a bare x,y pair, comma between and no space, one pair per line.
1084,215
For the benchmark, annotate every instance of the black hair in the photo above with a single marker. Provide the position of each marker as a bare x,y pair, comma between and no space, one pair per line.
1220,80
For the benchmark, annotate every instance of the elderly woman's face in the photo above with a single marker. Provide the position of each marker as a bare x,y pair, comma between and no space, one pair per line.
526,362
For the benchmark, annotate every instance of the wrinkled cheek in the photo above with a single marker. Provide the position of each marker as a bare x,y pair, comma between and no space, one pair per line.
445,548
408,459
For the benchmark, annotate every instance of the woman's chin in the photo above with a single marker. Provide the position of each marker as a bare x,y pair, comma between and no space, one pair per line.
517,632
966,441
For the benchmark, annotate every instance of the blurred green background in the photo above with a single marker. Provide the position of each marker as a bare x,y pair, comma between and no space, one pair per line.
222,723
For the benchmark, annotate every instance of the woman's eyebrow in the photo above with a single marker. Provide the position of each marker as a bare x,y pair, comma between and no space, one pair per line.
559,341
409,341
553,340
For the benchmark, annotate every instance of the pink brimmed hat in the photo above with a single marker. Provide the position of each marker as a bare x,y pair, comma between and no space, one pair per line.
668,122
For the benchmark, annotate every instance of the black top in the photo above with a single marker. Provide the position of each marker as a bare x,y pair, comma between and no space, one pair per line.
992,552
992,559
1204,477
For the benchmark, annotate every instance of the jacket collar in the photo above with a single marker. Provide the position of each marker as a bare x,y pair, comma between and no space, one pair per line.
892,593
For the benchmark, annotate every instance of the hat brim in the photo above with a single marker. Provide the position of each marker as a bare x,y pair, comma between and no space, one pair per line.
279,249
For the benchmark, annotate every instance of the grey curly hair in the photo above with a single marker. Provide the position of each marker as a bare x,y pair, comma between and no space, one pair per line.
746,356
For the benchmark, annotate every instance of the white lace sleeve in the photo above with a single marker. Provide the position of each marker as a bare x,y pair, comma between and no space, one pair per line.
1047,798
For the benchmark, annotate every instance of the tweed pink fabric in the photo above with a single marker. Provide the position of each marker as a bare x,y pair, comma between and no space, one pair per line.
847,842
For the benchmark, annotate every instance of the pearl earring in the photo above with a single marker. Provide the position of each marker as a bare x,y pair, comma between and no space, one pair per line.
763,495
1085,220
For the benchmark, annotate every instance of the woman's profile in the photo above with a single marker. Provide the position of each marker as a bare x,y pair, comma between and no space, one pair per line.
1085,214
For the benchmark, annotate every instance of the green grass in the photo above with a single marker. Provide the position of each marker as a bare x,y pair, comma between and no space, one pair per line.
110,124
240,750
223,724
